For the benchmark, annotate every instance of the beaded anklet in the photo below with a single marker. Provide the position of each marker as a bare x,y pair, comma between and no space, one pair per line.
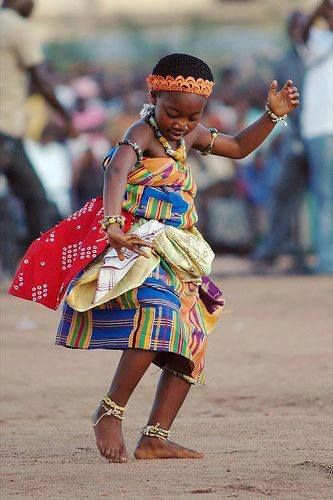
155,431
111,409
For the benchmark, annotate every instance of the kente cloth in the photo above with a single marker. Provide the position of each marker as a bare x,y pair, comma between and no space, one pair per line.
164,314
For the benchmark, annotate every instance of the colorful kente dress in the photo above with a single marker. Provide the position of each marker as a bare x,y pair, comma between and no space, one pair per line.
163,314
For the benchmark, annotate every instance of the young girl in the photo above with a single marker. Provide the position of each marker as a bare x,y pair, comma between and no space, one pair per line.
162,307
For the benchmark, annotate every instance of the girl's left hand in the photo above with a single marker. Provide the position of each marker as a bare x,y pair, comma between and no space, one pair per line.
283,101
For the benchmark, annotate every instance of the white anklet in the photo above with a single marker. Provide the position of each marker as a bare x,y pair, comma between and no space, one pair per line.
111,408
155,431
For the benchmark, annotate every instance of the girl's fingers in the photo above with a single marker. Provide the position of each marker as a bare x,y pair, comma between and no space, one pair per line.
129,240
120,253
131,243
139,251
139,241
288,85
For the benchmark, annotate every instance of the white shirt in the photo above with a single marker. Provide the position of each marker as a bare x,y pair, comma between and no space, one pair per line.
53,167
317,99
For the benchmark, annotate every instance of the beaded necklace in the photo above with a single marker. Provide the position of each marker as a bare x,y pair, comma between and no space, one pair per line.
180,153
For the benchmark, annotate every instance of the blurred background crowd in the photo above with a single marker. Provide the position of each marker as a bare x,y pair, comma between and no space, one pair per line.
65,106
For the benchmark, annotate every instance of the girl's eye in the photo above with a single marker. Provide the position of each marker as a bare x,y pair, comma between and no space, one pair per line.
171,116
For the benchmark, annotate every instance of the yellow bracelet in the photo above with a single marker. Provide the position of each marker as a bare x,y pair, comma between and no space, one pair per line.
112,219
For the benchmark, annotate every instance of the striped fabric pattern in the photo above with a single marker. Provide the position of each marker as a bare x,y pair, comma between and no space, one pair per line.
164,314
162,189
151,317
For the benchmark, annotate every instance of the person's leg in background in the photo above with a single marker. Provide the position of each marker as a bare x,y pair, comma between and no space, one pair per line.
25,185
9,237
320,157
283,236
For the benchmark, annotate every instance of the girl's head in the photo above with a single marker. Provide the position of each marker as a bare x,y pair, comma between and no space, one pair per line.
179,87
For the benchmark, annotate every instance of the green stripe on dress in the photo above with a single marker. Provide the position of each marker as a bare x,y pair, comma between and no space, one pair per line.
87,330
74,329
129,300
145,328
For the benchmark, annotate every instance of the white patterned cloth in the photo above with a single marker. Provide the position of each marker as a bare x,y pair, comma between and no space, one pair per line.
114,269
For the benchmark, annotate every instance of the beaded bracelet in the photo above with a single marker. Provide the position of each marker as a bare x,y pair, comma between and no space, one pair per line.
138,151
274,118
209,149
112,219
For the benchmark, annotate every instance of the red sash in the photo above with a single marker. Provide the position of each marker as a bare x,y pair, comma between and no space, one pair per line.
52,261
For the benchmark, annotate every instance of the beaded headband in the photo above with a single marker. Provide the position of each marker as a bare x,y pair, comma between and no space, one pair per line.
180,84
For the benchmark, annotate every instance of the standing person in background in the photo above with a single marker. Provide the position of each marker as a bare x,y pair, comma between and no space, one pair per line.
21,59
317,128
283,230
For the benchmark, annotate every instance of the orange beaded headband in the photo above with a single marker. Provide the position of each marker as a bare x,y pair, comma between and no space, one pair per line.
180,84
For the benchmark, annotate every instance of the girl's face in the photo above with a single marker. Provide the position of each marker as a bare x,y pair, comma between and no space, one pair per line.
177,113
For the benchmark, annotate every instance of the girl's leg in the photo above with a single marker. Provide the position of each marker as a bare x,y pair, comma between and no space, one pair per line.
132,366
170,395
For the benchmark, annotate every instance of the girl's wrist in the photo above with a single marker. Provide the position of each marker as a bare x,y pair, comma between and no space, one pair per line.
275,117
110,220
114,231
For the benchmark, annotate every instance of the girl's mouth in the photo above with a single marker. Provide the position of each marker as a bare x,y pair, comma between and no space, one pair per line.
176,134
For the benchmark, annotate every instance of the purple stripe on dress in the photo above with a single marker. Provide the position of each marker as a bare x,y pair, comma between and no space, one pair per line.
167,172
210,294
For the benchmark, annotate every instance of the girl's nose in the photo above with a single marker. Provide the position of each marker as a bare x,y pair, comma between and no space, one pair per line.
181,125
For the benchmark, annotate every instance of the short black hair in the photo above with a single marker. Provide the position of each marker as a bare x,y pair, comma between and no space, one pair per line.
183,65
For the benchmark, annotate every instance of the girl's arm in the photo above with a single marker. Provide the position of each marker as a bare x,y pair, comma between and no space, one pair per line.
115,180
246,141
123,160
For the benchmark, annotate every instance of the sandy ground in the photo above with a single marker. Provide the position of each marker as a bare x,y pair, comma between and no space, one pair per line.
264,420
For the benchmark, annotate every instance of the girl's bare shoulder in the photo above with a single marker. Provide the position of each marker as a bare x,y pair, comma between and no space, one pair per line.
141,133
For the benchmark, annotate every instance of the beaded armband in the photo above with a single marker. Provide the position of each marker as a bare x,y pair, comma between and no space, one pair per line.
209,149
138,151
112,219
274,118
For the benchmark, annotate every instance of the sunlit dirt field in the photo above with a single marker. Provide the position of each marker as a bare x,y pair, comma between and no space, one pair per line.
264,420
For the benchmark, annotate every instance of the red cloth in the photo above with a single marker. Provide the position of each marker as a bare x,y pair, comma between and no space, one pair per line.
53,260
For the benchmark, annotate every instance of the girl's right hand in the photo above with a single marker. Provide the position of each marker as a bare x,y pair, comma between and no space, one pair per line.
119,240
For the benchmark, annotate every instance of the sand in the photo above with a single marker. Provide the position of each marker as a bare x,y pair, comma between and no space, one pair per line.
264,420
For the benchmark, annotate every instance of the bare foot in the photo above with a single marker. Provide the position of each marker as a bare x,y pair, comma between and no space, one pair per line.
152,447
109,437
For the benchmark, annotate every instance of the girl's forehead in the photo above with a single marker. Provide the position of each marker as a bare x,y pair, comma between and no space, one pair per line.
183,100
